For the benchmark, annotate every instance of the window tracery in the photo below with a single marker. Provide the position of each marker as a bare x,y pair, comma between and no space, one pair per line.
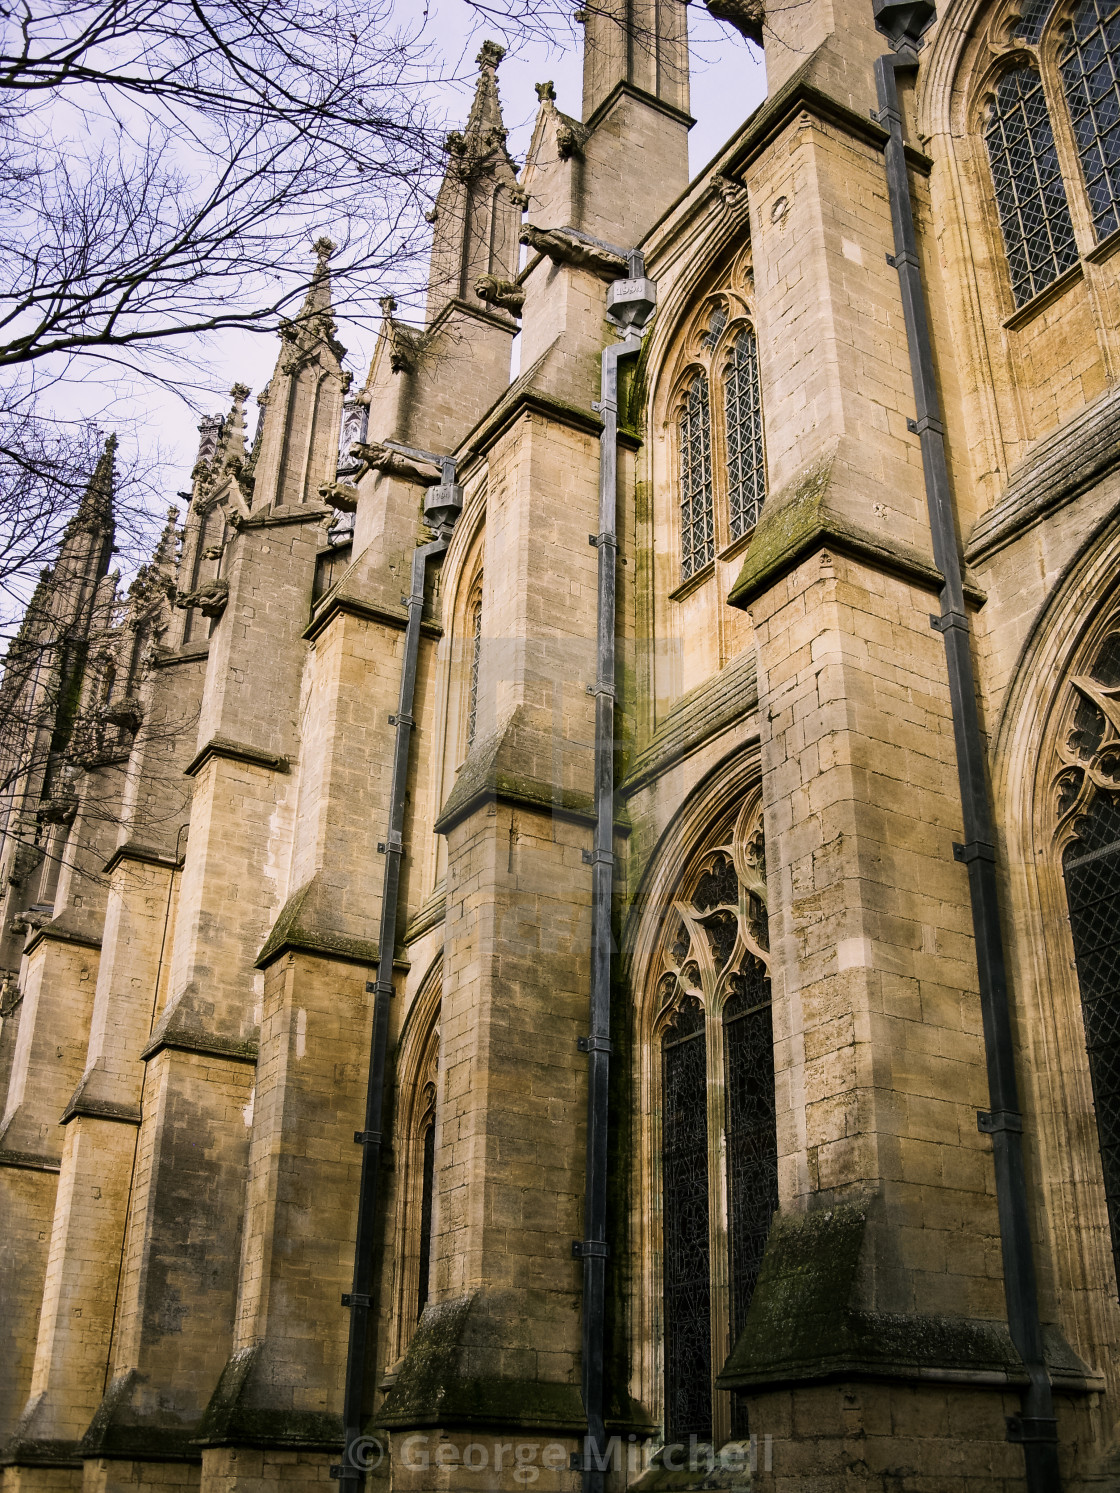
1087,797
718,1141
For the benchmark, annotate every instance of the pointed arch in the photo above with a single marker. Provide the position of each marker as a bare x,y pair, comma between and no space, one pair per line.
1048,749
416,1145
705,1116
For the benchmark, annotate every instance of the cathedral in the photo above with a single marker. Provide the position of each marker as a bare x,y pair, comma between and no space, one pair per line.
564,932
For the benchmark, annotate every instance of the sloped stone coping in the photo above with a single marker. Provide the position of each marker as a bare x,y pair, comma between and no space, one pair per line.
1056,470
694,719
805,1322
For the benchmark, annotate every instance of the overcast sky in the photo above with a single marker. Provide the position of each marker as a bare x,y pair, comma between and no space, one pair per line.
728,83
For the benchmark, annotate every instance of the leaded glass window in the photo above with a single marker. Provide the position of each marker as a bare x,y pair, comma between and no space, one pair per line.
1090,65
746,466
476,653
1091,864
1035,15
684,1169
1092,871
1030,193
697,529
752,1147
714,988
427,1190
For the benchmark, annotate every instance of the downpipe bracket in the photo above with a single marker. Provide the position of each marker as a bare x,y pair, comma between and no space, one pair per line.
594,1044
1033,1428
974,850
992,1121
590,1249
948,620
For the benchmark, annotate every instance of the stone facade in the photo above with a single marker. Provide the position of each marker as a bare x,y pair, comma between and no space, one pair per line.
806,1280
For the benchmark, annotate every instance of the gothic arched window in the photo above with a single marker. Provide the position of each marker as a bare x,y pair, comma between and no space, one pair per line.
695,427
719,1186
1055,109
1091,865
1090,67
746,466
1030,193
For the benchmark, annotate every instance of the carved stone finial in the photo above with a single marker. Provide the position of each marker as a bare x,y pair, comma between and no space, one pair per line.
388,304
239,393
323,248
490,54
546,93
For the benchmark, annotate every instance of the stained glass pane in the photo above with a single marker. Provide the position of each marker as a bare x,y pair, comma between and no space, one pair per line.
746,465
1092,871
697,533
684,1159
1030,193
427,1188
1089,64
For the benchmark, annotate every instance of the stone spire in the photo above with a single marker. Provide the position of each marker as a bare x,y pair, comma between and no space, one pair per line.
478,209
302,403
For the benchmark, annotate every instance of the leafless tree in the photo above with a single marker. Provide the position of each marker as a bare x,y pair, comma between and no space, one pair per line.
165,160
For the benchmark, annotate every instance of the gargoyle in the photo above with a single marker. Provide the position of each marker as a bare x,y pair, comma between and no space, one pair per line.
570,138
563,247
126,713
378,458
59,809
210,598
506,295
747,16
340,495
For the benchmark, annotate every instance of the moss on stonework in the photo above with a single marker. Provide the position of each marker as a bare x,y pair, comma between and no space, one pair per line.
798,520
515,764
804,1322
436,1383
119,1429
305,924
239,1414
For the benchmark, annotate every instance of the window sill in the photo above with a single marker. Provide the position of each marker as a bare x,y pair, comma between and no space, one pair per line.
737,546
1044,298
1105,249
694,582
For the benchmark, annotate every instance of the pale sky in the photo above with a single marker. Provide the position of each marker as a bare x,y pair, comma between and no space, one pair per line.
728,83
